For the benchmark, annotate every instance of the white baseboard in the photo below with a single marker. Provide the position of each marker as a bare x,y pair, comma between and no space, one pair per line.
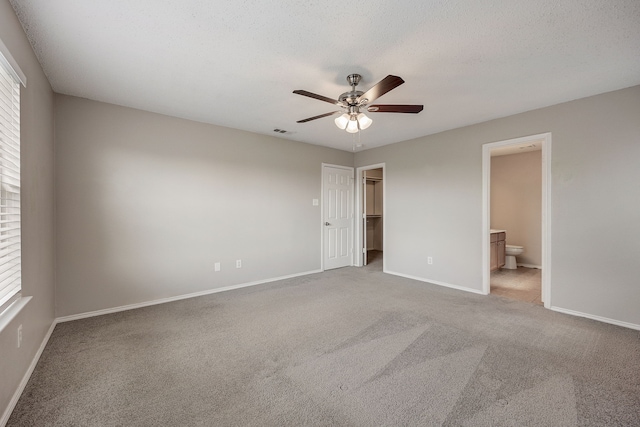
177,298
436,282
25,378
539,267
598,318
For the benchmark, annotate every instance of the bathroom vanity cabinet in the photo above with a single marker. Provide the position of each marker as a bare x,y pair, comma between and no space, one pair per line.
498,246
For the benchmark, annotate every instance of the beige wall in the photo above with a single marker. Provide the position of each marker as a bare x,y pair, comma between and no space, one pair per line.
146,204
37,212
434,202
516,202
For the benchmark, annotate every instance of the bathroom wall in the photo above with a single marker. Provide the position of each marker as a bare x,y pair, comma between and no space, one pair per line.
516,202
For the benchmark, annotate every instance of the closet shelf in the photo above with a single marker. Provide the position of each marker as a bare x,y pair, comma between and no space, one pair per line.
373,216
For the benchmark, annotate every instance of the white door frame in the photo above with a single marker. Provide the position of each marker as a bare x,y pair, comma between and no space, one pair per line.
360,212
322,219
546,210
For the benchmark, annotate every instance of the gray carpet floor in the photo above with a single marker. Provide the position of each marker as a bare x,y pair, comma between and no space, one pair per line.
348,347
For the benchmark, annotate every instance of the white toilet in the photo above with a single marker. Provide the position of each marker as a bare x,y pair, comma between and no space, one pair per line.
511,251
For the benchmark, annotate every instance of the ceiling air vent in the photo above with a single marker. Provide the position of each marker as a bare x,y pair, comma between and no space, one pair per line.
282,131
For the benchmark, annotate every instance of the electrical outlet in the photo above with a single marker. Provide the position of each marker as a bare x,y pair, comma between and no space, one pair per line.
315,202
238,263
429,260
19,336
216,266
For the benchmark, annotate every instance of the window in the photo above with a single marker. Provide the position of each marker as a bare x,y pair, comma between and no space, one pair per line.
10,252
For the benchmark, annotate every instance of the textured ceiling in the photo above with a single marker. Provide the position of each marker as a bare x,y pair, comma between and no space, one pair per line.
236,63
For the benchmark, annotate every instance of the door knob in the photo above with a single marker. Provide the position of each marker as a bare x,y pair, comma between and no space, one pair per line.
327,224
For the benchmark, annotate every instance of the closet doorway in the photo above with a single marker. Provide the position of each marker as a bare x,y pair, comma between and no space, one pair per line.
371,213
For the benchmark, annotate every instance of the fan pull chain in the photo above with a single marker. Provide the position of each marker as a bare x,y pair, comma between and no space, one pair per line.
356,145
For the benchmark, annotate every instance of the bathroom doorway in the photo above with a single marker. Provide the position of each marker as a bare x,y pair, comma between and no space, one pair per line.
516,177
370,227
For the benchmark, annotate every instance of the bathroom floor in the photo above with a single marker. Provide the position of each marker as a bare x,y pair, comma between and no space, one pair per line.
523,284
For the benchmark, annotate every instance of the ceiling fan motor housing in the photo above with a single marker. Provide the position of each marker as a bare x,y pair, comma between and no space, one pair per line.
351,98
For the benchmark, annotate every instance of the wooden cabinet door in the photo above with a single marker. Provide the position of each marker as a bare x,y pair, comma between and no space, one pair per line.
501,256
494,256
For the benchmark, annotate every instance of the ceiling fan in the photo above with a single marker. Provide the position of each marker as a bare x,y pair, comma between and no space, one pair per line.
355,102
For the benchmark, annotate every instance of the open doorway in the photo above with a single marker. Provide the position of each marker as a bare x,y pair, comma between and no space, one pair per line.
516,231
371,212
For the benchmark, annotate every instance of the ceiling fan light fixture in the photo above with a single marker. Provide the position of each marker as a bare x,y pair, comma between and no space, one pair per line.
352,127
364,121
353,102
342,121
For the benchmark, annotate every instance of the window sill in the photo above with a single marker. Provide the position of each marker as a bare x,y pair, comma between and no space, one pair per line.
12,311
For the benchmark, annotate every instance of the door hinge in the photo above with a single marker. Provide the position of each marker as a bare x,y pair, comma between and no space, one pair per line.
364,250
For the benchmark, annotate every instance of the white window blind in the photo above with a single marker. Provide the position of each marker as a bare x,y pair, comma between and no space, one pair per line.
10,264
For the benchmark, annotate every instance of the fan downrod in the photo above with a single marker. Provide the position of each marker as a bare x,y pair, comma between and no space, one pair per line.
352,98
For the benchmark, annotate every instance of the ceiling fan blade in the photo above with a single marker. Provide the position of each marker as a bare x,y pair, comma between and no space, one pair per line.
316,96
390,108
385,85
318,117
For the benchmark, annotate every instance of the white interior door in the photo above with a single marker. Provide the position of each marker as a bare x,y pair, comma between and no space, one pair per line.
337,216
